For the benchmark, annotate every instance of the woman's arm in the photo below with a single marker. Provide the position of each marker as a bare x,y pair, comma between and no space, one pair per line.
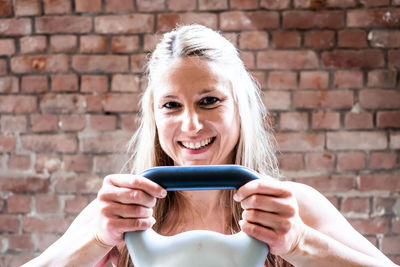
302,227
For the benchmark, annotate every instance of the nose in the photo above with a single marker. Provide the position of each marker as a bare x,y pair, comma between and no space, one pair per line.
191,122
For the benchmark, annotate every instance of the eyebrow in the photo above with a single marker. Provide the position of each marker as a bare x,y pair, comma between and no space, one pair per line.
203,92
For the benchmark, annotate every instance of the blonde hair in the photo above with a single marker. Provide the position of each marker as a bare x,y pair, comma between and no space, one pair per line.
255,146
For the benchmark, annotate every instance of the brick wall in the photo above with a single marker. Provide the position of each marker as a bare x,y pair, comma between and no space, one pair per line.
71,77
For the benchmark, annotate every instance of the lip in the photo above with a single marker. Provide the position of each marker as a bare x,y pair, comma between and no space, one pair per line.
197,151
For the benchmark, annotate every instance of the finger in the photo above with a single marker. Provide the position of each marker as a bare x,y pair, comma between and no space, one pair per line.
281,206
263,234
127,196
127,211
274,222
121,225
264,187
137,182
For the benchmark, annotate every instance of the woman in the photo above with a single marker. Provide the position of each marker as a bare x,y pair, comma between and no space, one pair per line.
201,107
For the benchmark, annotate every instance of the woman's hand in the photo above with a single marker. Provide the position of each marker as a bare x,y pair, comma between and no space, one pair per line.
125,203
271,215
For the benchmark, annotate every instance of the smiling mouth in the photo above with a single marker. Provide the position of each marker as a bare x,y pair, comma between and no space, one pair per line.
197,145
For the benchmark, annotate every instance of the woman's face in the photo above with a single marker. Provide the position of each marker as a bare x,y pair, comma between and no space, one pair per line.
195,113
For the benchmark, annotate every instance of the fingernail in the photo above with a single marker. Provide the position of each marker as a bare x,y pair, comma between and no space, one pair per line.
235,197
163,193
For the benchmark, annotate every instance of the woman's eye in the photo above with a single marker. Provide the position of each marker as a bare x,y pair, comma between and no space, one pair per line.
208,101
171,105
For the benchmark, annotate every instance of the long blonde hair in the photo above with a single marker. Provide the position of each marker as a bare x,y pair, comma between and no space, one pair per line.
255,146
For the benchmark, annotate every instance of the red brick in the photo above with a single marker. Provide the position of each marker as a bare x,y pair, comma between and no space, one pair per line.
286,39
26,7
374,3
33,44
34,84
121,102
348,79
43,123
19,204
335,99
75,204
314,79
84,184
382,160
46,225
125,83
396,225
15,27
326,120
76,163
388,119
19,162
57,6
249,20
243,4
272,4
350,161
3,67
63,24
5,9
129,122
352,38
93,44
395,140
282,80
383,17
46,239
396,2
355,205
7,47
20,242
150,42
384,206
47,204
184,5
138,63
356,140
39,63
64,82
390,244
367,58
297,121
124,44
319,39
169,21
17,104
314,4
248,59
212,4
104,63
24,185
384,38
300,141
148,6
13,124
94,102
278,59
253,40
370,226
109,163
106,142
47,164
62,143
124,24
363,120
94,83
319,161
394,58
380,181
72,122
304,19
62,103
331,183
9,85
9,223
373,99
382,78
119,5
88,5
291,162
276,100
103,122
63,43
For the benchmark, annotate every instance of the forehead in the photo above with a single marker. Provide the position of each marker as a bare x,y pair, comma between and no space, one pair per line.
191,74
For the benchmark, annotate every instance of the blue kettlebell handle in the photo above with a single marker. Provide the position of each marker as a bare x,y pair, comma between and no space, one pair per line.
209,177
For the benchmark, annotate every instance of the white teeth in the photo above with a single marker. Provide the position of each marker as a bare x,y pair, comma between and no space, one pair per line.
197,145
